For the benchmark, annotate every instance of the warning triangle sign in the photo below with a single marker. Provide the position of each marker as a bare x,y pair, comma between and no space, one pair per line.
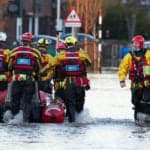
73,17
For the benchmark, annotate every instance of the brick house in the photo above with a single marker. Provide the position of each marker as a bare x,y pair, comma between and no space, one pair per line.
46,11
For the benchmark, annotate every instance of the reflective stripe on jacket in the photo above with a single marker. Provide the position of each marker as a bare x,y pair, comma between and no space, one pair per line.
24,60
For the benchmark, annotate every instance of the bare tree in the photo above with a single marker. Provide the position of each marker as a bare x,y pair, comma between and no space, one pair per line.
89,11
131,9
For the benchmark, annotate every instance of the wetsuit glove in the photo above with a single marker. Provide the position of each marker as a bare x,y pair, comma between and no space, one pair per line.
122,84
88,87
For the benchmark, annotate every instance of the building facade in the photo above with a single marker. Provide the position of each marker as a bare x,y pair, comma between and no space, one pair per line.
142,3
43,11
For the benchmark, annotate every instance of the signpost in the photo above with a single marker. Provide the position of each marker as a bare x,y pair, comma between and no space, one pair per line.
73,21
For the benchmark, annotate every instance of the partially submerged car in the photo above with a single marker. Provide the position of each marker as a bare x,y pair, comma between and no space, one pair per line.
81,37
147,44
51,39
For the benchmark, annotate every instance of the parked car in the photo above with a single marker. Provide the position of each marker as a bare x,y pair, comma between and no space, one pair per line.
52,43
81,37
51,39
147,44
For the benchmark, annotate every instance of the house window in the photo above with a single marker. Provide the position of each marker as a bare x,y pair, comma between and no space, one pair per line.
127,1
145,2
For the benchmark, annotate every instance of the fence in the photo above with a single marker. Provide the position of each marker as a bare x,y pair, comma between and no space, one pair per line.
110,55
111,52
91,48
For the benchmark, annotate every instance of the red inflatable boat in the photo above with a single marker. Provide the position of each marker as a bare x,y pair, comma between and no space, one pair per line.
52,111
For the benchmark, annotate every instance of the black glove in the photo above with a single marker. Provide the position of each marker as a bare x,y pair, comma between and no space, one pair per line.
87,87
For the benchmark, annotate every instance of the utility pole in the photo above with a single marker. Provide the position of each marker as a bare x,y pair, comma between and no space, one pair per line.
36,10
58,19
19,20
58,15
30,22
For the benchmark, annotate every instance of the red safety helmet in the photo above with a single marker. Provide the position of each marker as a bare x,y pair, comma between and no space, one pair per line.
140,39
60,46
27,37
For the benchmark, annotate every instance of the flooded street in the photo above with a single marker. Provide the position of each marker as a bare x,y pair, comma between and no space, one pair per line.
105,124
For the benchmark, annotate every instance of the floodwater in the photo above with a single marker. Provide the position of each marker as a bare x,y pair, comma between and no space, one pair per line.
105,124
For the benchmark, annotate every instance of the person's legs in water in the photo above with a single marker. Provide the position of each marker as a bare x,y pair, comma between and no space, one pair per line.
3,85
136,97
29,91
80,99
16,95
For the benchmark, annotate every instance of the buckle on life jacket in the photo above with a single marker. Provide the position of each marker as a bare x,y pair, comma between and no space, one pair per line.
59,85
137,85
82,82
19,77
147,83
3,77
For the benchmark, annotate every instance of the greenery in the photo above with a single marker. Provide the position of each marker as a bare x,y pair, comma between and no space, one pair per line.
114,22
117,18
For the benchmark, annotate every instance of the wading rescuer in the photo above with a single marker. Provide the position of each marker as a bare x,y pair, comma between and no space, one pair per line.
58,75
4,76
24,65
72,62
47,69
137,64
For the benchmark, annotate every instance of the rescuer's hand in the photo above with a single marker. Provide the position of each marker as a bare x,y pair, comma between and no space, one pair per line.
122,84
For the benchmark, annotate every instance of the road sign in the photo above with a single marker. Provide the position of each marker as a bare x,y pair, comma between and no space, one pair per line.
73,20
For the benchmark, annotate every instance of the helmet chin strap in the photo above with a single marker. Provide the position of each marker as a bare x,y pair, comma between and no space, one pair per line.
137,52
136,49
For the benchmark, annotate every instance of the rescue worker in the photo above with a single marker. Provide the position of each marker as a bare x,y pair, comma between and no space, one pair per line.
24,65
58,75
47,70
72,72
137,64
4,76
4,55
